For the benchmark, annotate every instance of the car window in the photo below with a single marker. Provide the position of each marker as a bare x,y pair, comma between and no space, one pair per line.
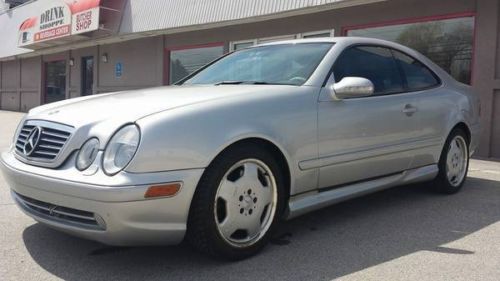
373,63
418,76
287,64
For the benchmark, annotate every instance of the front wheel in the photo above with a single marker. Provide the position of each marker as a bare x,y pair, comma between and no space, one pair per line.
453,164
237,204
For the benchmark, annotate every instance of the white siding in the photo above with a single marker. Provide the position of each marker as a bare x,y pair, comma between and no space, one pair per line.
172,15
149,15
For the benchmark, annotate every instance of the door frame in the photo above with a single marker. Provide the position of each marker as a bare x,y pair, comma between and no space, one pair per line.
43,96
82,73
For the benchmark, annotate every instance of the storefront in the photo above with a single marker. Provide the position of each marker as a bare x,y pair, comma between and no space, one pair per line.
66,49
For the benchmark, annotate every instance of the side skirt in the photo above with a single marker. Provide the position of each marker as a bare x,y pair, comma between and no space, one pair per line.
310,201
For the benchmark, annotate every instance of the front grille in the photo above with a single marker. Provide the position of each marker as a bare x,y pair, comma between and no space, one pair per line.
60,214
47,145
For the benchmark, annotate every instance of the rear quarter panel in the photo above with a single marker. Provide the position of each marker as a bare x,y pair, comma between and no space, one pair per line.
440,110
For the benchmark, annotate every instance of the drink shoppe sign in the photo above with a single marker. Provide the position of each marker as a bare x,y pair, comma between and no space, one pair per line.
60,18
54,22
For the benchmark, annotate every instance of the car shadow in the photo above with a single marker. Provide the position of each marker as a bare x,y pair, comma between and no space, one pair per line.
323,245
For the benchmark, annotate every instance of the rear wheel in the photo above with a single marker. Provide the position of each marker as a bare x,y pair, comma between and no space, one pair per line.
237,204
453,164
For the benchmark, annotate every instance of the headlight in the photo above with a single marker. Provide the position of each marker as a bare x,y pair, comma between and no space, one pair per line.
87,154
121,149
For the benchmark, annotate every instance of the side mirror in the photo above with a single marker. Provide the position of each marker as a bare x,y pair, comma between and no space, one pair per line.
352,87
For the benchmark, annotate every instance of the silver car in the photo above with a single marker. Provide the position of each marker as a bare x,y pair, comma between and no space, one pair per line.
260,135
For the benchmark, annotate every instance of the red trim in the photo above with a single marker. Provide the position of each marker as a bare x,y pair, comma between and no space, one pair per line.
473,59
53,33
166,55
43,96
424,19
166,67
186,47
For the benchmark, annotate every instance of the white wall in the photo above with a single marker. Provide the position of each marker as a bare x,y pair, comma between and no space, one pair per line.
3,6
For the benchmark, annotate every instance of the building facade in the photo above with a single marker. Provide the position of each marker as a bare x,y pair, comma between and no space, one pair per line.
58,49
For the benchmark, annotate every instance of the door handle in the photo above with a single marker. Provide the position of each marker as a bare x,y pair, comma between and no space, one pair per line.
409,110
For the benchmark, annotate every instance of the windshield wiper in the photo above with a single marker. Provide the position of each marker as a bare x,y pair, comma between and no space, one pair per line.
228,83
241,82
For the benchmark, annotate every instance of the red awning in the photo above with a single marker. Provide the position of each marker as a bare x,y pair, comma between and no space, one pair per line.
82,5
29,23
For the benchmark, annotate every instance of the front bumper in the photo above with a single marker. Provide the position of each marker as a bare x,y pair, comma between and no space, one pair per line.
108,213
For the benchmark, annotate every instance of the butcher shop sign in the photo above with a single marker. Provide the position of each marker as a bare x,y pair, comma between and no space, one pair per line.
59,18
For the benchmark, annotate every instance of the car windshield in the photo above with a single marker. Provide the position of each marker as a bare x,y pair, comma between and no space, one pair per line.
283,64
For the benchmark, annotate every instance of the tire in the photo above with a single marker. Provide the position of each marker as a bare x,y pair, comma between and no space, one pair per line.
451,161
232,194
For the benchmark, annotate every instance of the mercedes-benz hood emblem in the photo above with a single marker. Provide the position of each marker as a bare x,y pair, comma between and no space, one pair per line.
32,141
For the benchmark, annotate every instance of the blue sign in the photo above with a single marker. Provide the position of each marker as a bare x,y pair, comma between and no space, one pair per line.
118,70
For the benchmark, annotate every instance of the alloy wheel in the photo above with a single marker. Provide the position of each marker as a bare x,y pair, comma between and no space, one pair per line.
456,160
245,203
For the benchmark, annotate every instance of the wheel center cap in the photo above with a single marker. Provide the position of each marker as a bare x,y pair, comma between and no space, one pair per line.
247,202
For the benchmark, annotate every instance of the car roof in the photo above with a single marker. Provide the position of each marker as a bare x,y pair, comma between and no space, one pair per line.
344,42
347,41
342,39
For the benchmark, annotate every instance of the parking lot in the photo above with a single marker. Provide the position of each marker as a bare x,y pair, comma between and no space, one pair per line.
405,233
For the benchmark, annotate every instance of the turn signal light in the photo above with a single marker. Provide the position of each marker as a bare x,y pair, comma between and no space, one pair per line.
164,190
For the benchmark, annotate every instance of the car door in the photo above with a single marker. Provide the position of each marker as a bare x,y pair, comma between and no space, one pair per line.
434,104
368,137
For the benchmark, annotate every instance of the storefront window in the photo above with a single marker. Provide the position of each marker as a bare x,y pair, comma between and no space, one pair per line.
447,42
55,81
318,34
186,61
238,45
242,45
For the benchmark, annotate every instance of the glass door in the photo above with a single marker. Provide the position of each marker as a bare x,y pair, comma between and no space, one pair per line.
87,76
55,81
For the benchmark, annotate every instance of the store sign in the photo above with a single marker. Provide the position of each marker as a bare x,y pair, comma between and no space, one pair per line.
54,22
85,21
60,18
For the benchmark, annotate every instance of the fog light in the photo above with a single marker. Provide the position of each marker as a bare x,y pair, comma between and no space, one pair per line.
164,190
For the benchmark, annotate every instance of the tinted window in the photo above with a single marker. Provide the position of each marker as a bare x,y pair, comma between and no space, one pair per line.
418,76
373,63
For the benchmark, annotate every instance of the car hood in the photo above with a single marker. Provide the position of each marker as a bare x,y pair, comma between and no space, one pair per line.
129,106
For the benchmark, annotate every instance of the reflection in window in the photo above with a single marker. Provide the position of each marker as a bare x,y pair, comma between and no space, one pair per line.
242,45
447,42
238,45
185,62
55,81
417,75
317,35
288,64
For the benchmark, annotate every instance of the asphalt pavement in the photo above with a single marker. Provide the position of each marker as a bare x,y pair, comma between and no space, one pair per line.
404,233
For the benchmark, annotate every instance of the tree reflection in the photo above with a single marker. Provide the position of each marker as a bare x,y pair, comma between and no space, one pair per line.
178,71
450,47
